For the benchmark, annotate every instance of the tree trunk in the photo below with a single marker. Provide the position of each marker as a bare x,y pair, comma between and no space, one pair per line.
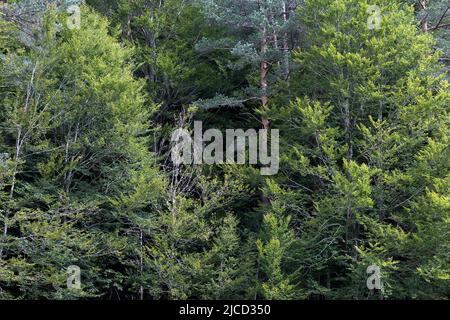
424,22
264,71
285,43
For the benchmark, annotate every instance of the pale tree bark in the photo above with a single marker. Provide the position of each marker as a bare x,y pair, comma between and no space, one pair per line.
20,138
264,72
141,263
68,160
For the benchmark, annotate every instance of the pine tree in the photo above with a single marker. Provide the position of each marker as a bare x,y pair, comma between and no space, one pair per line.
353,145
76,124
259,36
275,246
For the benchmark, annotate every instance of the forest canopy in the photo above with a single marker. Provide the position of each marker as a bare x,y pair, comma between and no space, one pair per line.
350,98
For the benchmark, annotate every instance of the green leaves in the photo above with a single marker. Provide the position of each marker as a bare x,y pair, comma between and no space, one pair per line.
273,247
86,178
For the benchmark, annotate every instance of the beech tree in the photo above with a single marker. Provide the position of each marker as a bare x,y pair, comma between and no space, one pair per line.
368,123
260,35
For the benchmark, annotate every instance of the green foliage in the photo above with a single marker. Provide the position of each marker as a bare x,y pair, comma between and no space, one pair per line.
85,172
78,130
355,150
278,239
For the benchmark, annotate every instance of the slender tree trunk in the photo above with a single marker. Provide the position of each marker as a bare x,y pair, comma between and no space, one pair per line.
424,22
380,162
5,232
264,72
13,183
19,142
348,123
68,176
352,228
141,288
285,43
16,161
